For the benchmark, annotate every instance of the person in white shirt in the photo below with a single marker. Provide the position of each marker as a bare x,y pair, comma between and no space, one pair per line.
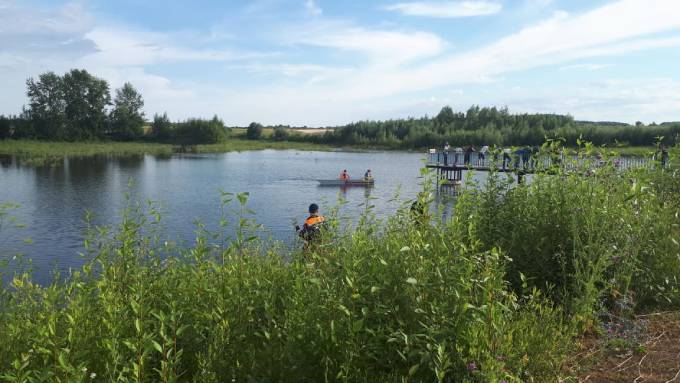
482,153
458,153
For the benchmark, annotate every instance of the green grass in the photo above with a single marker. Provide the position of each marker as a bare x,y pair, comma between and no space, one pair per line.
79,149
242,144
39,152
496,292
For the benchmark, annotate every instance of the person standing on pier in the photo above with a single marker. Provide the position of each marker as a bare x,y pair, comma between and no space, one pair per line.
506,157
468,153
446,153
458,153
482,154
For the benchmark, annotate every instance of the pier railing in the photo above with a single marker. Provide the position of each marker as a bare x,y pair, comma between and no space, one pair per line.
531,163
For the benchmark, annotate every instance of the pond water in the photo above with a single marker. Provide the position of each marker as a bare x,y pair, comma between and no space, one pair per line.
54,199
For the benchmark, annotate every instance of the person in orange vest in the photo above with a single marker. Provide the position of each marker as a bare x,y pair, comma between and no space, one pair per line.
344,175
311,229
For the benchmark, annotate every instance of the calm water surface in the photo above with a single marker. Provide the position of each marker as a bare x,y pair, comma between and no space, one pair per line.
282,184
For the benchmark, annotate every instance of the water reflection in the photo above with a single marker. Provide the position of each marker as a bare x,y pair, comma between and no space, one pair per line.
282,184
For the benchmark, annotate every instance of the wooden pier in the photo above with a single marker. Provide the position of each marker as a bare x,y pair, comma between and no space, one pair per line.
451,165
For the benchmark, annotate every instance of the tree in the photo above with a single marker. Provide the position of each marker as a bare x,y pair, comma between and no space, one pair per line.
254,131
5,127
127,117
86,98
47,106
161,128
281,133
445,116
196,131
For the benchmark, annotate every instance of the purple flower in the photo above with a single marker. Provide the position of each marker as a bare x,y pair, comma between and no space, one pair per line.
472,367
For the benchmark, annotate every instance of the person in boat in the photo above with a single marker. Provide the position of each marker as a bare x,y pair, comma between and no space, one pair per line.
344,175
311,229
368,176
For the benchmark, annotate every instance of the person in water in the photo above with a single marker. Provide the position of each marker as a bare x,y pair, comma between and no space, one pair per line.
344,175
311,229
368,176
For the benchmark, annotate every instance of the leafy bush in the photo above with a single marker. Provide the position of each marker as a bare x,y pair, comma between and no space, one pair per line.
196,131
495,293
281,133
254,131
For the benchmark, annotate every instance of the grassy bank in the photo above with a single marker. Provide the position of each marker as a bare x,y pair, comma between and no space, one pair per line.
498,292
46,151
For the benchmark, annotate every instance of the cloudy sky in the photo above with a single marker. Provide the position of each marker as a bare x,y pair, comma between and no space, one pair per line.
327,62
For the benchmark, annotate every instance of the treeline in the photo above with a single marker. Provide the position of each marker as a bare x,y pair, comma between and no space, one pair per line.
493,126
78,107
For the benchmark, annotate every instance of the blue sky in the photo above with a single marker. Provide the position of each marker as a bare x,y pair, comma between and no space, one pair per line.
323,62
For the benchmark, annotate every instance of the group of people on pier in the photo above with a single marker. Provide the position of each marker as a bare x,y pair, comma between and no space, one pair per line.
460,156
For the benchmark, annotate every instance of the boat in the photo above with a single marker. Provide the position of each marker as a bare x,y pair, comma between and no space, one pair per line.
359,182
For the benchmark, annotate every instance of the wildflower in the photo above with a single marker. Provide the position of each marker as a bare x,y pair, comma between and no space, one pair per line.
93,375
84,369
472,367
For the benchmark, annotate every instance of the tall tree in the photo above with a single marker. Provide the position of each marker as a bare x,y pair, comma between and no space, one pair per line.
127,117
86,98
161,128
46,106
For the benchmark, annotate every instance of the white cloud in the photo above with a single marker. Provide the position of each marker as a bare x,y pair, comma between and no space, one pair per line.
313,8
586,66
626,100
387,47
118,46
447,9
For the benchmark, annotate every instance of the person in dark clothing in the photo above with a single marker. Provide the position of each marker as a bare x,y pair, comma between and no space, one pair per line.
664,154
468,153
419,209
311,229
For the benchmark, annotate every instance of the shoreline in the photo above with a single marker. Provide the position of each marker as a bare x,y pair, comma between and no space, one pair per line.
46,151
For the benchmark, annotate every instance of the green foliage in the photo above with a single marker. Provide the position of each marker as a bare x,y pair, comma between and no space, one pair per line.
70,107
496,292
492,126
5,127
161,128
85,99
280,133
196,131
127,117
254,131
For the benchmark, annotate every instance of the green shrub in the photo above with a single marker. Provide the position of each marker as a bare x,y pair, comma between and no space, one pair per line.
254,131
